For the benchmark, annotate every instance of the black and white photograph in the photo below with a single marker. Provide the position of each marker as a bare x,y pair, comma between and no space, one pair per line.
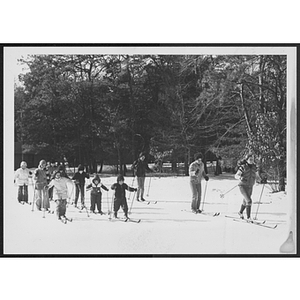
150,151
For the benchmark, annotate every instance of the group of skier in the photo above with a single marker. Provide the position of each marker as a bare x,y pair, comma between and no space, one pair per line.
53,183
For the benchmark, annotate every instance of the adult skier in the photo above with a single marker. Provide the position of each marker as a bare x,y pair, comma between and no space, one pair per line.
196,172
140,167
247,174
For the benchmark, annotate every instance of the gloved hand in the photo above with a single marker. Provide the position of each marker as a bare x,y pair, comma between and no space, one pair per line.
206,178
135,190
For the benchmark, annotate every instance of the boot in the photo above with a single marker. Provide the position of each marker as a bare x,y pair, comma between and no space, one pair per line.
248,211
240,213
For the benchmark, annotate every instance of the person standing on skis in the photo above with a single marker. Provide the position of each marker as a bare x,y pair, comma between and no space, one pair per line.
79,178
41,192
247,173
120,195
140,167
60,193
96,195
21,179
196,172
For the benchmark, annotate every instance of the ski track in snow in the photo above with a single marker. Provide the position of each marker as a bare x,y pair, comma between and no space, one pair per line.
166,228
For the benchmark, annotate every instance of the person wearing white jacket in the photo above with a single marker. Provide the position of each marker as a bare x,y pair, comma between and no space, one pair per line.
196,172
21,179
60,193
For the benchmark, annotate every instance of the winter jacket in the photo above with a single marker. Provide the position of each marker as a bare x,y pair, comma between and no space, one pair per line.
96,188
22,176
248,174
196,172
140,167
40,176
120,190
80,178
60,190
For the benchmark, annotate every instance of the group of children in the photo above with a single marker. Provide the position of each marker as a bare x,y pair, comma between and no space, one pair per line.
57,188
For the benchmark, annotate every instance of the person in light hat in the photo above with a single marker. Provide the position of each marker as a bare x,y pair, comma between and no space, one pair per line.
21,179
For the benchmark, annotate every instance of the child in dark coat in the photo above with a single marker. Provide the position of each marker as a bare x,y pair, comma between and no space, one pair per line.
96,195
79,178
120,196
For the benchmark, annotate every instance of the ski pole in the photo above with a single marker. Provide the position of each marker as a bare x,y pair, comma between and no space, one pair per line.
131,185
222,195
149,186
204,195
43,200
111,206
33,195
132,203
108,211
259,201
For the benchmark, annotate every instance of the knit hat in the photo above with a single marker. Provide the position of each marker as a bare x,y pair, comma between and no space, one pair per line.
97,178
198,155
80,167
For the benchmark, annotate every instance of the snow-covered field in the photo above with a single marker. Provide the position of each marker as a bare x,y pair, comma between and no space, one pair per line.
167,227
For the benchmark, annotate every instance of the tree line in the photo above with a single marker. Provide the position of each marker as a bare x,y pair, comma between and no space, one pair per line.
107,108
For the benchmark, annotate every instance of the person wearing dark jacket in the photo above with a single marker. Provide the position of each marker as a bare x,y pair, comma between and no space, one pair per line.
140,167
120,195
96,195
247,174
79,178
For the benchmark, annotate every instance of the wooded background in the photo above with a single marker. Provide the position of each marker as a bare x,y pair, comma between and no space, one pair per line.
95,109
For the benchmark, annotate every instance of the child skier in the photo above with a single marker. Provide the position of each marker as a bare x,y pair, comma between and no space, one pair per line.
96,195
21,179
140,167
60,194
79,178
120,196
40,177
247,174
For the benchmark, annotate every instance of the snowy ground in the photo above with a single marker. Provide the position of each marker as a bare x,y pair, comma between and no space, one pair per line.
167,227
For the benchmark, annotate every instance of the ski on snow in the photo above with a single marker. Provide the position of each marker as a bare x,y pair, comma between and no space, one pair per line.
204,213
125,220
147,202
254,222
64,219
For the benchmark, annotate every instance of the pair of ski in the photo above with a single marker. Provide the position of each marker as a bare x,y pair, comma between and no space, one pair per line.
65,220
254,222
125,220
147,202
204,213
